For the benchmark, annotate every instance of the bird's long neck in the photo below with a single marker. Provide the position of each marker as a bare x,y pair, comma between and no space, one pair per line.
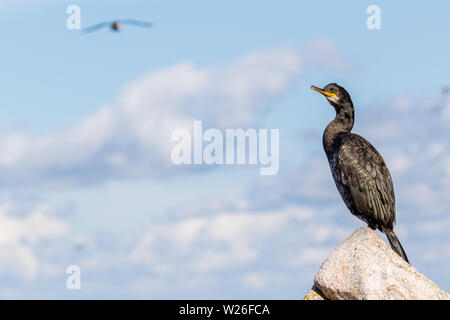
342,123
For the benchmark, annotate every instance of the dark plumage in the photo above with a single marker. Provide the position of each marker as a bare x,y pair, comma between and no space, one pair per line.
359,171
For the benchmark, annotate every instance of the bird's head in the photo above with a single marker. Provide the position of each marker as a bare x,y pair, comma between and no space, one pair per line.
335,94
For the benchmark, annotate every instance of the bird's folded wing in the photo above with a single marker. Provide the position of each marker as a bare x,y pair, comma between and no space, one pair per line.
364,172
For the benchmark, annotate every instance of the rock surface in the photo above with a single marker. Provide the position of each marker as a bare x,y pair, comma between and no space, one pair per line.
365,267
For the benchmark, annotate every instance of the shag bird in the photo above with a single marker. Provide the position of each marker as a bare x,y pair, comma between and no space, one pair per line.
358,170
117,25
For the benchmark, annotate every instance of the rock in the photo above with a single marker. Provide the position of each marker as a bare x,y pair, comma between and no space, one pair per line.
365,267
313,295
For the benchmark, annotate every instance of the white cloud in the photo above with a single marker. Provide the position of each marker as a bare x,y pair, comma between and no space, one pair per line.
19,237
283,227
265,280
132,137
18,260
277,234
255,280
214,242
263,249
398,163
311,255
325,54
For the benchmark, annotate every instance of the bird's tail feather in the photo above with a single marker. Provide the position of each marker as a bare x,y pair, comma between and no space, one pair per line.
395,243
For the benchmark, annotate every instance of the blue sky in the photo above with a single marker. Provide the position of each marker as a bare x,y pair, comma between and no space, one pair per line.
85,134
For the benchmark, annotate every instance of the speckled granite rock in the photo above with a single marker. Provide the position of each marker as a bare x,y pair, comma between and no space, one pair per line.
365,267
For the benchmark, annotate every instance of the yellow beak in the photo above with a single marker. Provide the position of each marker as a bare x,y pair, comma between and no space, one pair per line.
325,93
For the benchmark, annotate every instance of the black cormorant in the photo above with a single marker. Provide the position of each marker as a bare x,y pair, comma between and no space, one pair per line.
359,171
117,25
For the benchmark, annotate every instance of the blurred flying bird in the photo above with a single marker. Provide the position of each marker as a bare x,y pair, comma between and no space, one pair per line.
118,25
